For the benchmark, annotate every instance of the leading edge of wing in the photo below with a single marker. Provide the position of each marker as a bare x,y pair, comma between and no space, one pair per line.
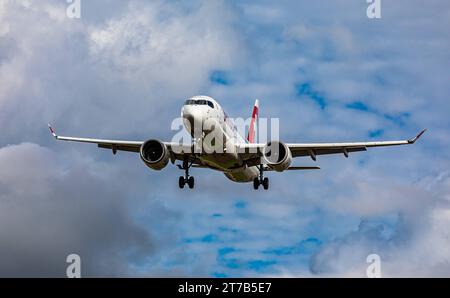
337,145
95,141
356,144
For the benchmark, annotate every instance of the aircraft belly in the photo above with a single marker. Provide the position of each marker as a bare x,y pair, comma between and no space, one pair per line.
228,164
245,175
220,161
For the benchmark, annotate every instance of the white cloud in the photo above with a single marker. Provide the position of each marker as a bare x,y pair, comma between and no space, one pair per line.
49,211
416,247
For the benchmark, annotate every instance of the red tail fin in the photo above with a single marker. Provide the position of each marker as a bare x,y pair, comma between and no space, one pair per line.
252,129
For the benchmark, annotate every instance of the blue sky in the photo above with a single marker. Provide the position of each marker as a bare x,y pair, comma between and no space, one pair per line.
123,71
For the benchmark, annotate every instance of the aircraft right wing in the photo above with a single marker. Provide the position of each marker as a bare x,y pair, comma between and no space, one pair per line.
114,145
177,151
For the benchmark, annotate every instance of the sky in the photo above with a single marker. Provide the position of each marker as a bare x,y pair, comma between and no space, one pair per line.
123,70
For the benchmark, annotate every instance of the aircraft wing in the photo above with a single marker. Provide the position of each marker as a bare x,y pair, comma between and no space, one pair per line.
115,145
314,149
177,151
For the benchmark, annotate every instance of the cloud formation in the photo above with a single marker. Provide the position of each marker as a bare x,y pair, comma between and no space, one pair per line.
413,246
50,210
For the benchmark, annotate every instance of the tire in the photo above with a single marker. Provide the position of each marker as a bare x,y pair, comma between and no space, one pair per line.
191,182
181,182
255,183
265,183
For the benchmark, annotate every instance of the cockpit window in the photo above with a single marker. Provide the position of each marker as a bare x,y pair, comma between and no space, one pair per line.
190,102
199,102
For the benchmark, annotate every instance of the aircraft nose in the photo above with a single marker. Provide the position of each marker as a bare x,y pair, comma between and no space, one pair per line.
193,120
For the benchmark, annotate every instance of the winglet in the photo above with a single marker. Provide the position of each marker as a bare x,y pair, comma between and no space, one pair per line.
413,140
52,131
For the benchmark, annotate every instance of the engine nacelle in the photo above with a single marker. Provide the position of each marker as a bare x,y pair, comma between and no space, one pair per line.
155,154
277,156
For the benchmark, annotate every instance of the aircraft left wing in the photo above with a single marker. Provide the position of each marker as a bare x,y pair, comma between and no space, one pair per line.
314,149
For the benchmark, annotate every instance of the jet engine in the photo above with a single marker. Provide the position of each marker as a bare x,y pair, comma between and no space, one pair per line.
155,154
277,156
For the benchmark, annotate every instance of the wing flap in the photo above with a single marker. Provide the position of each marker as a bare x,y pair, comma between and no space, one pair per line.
296,152
117,147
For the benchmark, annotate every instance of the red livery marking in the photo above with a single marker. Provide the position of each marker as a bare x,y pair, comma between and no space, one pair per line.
251,132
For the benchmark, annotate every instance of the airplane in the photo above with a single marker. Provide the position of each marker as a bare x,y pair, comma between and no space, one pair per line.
242,161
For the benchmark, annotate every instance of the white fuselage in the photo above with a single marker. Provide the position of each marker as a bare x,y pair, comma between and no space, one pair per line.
203,113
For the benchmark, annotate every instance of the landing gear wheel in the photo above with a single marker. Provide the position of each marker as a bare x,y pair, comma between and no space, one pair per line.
190,182
186,179
260,180
181,182
255,183
265,183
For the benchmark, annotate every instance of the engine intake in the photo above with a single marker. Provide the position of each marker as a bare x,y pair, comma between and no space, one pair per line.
277,156
155,154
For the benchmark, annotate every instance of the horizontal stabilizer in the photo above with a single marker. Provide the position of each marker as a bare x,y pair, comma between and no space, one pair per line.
266,168
302,168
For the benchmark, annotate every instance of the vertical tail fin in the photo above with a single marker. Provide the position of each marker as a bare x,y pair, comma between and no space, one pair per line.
252,129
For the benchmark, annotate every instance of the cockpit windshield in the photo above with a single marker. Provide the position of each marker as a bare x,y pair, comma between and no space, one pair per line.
190,102
199,102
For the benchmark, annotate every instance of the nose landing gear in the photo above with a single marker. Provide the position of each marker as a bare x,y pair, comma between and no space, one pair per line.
186,179
261,180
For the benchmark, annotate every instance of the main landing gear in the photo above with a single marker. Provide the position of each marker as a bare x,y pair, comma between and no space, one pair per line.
261,180
186,179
